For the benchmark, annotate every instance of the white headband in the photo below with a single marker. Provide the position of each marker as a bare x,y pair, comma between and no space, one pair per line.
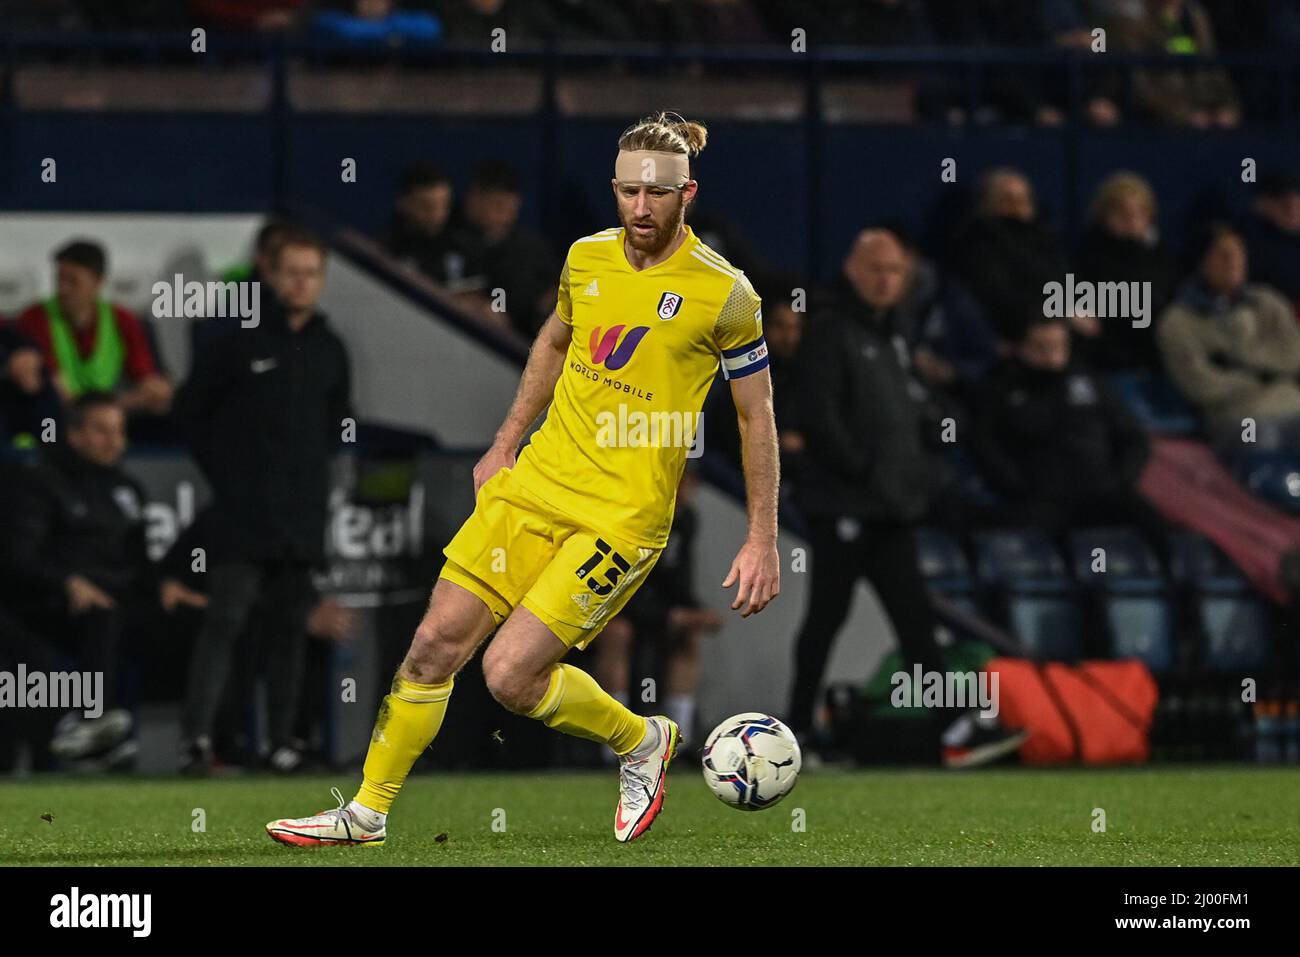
652,167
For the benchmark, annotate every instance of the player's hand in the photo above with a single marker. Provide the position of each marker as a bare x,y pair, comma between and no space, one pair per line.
758,570
490,464
83,595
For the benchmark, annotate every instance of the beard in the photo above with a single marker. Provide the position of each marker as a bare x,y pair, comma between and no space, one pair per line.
664,232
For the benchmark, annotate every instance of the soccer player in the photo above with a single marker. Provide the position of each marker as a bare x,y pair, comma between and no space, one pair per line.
561,537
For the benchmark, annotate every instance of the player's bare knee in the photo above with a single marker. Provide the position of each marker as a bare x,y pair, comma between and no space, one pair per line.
510,681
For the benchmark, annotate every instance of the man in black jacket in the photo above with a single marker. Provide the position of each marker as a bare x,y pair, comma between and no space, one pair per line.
74,571
264,411
869,476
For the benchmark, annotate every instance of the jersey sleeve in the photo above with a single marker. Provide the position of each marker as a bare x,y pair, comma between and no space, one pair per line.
563,302
738,333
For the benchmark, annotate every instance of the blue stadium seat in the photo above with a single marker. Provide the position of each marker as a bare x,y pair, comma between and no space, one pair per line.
1041,603
1155,403
1234,619
1024,557
1134,593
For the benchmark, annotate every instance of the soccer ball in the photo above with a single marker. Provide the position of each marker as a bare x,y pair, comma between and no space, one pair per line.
751,761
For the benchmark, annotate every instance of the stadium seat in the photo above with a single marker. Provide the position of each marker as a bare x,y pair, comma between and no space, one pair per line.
1027,570
1273,476
19,288
1234,619
1134,593
945,568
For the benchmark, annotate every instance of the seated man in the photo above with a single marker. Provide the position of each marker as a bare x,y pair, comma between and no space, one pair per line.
423,235
90,345
1232,348
518,260
1058,443
73,564
1272,233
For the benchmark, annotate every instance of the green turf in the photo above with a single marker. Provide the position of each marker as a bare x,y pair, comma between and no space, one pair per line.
1168,816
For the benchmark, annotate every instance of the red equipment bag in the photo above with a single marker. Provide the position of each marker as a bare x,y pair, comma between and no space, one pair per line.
1095,712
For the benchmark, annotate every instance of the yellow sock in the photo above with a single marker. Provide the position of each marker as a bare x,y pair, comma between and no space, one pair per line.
408,721
576,705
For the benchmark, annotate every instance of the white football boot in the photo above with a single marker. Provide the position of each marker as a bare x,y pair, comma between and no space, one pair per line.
643,782
333,827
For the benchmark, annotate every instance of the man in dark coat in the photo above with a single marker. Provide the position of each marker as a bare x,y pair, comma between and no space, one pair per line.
265,411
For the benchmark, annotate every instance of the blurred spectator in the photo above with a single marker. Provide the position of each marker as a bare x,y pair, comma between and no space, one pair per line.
1005,253
376,21
1232,348
517,260
27,396
1272,233
665,614
89,344
257,270
869,479
1057,443
951,343
264,409
248,14
1122,244
1022,93
472,21
422,233
73,563
1194,96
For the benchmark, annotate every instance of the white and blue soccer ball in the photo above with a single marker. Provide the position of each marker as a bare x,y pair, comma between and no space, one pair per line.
751,761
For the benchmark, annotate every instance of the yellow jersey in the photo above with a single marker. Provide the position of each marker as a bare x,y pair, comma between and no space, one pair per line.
646,346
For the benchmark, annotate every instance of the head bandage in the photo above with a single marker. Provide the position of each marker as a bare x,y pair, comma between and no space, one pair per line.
652,168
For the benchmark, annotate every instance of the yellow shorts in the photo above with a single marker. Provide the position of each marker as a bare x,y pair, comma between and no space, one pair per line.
516,549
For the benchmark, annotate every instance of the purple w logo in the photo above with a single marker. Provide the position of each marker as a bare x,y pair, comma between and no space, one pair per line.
602,347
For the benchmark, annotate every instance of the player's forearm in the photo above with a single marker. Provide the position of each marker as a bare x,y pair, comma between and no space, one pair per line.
542,371
761,463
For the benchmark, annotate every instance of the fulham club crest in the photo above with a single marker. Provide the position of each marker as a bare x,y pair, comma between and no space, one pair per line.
669,305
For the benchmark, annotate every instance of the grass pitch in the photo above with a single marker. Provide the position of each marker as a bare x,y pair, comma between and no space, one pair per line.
1165,816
